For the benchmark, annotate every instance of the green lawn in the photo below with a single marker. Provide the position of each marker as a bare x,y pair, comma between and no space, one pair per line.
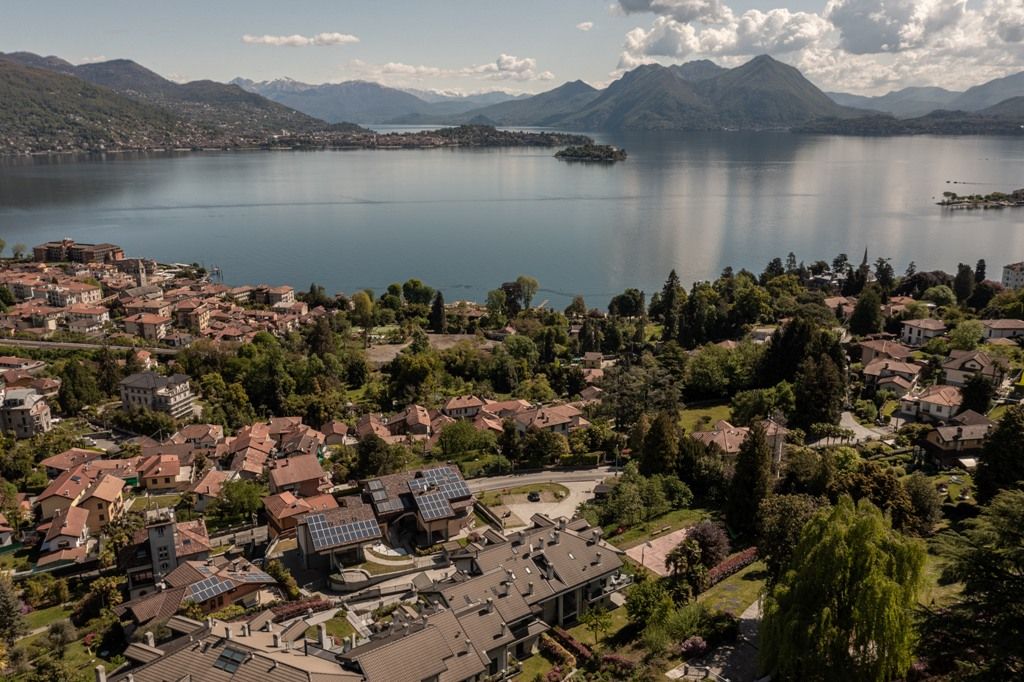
888,407
547,490
43,617
15,561
702,418
737,592
141,503
619,620
674,520
337,627
385,558
997,412
533,666
374,568
933,592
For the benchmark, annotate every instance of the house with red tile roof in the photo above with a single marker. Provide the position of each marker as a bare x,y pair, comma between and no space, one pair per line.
285,509
301,475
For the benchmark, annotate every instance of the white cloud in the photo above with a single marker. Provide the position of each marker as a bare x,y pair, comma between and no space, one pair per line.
505,68
585,25
297,40
852,45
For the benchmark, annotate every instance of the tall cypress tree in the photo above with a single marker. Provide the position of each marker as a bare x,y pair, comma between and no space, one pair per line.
671,303
438,317
751,483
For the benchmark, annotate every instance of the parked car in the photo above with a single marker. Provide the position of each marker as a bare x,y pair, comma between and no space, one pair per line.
534,496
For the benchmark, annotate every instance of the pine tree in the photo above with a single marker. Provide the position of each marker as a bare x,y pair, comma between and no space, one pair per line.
1001,464
671,303
12,624
845,609
867,314
979,271
963,283
438,317
751,483
819,390
660,445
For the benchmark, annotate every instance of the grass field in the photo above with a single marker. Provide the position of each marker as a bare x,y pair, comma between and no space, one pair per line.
142,502
547,490
533,666
337,627
43,617
737,592
701,418
619,620
674,520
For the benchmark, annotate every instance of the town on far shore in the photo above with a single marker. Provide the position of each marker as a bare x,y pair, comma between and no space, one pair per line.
387,486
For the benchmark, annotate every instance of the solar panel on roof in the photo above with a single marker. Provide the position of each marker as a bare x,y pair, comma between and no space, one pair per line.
355,531
417,485
379,495
454,490
208,588
433,506
375,484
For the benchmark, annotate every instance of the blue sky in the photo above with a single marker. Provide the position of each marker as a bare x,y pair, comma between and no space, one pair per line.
528,45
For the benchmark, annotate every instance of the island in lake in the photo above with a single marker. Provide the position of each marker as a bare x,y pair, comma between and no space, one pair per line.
604,153
994,200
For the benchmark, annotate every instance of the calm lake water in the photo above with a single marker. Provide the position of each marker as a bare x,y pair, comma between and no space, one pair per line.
464,221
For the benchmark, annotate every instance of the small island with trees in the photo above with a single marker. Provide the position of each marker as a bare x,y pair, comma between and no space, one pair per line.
603,153
953,200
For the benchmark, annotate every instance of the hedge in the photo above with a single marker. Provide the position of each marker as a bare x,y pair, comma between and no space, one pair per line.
731,565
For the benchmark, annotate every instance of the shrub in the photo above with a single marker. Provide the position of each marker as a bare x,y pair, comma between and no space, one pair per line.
685,622
732,565
556,652
721,628
714,543
655,638
577,648
693,647
613,663
554,675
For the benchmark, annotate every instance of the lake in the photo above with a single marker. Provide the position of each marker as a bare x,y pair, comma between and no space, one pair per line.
465,221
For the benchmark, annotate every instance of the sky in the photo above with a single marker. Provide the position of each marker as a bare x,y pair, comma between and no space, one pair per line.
859,46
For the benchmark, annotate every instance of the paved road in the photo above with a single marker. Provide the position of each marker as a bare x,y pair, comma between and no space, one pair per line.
71,345
861,433
732,662
579,475
579,492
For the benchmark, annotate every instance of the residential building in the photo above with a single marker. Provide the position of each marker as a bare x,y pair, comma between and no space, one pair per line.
212,585
427,506
1013,276
104,500
1003,329
556,418
301,475
73,293
69,529
152,391
6,532
69,250
161,547
148,326
920,332
887,374
285,509
882,348
198,435
464,406
209,486
335,538
163,472
961,365
8,362
963,436
935,403
24,413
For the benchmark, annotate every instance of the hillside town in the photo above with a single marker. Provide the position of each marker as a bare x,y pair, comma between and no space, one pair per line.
253,480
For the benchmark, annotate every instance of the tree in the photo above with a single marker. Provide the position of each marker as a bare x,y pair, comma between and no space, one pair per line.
844,609
966,335
527,290
884,275
1001,465
109,374
542,447
18,250
940,295
963,283
78,388
362,313
713,542
686,569
979,271
670,304
644,599
925,504
241,498
751,483
660,445
60,634
284,577
321,340
819,390
780,520
980,636
417,293
578,307
866,317
12,623
104,594
438,317
598,621
977,394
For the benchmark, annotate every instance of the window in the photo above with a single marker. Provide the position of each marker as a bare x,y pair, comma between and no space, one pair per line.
229,660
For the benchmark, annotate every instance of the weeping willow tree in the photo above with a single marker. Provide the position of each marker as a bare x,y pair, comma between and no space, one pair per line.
844,610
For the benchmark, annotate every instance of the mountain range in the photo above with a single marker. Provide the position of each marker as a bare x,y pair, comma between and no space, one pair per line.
49,103
914,102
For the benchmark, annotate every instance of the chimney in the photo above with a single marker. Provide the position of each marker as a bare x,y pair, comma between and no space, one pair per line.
321,636
597,558
549,571
504,627
209,622
490,604
150,640
101,674
245,630
352,638
529,587
277,641
269,626
561,523
227,632
555,535
131,677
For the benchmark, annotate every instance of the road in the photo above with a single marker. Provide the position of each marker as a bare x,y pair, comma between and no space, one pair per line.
72,345
595,476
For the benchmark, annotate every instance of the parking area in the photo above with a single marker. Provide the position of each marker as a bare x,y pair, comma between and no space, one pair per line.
523,509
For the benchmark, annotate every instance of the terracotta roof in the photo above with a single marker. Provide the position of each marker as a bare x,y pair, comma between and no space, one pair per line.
1004,324
927,324
296,469
884,347
941,395
211,482
107,488
70,523
69,459
286,504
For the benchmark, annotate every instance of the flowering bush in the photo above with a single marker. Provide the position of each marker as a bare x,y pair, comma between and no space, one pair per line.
555,675
556,652
293,609
731,565
693,647
617,664
580,650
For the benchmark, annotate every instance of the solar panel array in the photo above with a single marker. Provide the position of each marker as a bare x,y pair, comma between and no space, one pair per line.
208,588
434,506
454,490
418,485
440,475
229,660
375,484
251,576
379,495
326,535
387,506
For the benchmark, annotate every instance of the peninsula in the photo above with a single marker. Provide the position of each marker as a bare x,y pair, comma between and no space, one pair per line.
953,200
